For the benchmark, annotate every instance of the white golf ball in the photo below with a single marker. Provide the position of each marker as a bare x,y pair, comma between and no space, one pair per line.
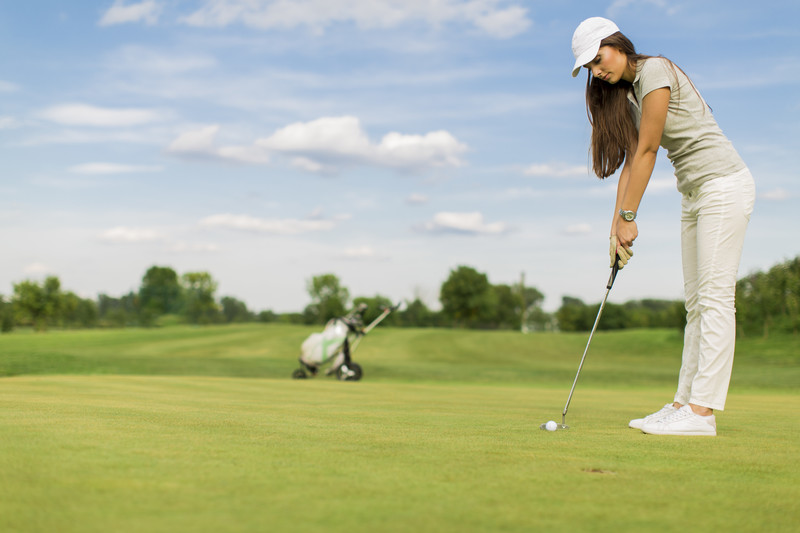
551,426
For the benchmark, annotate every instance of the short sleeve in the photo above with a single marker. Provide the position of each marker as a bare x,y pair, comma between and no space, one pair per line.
655,74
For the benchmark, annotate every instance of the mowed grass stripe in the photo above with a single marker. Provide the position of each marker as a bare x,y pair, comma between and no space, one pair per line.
631,358
128,453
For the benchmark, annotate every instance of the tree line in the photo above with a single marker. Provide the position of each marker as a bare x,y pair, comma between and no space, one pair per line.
769,301
766,302
189,298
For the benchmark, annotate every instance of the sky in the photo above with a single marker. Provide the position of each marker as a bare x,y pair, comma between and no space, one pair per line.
387,142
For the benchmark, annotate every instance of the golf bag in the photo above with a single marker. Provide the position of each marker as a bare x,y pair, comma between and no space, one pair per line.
335,345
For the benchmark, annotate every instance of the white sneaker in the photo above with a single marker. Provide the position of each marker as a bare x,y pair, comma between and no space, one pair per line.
637,423
684,421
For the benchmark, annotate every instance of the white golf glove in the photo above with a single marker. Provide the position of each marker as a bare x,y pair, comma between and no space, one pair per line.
615,250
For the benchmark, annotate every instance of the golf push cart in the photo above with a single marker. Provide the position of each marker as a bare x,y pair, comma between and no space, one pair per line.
336,344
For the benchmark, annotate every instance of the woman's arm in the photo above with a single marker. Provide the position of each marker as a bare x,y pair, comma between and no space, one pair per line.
616,252
622,185
654,115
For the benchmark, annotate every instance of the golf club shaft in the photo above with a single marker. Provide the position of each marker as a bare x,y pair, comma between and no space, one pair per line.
377,321
610,284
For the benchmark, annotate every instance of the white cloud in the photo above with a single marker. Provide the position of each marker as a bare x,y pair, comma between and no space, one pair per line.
8,87
434,149
303,163
557,170
416,199
470,223
182,247
252,155
89,115
487,15
362,253
7,123
112,168
155,135
327,135
195,141
504,24
516,193
37,269
775,195
578,229
342,140
149,61
147,11
324,144
125,235
289,226
201,142
64,183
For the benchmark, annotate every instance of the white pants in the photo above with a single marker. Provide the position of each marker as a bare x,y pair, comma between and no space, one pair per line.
713,222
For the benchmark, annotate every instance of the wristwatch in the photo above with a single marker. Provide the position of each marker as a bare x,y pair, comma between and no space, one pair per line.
630,216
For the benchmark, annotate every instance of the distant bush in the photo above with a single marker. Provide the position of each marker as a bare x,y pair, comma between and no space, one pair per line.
769,301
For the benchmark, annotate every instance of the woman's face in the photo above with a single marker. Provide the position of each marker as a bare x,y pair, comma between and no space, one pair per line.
610,65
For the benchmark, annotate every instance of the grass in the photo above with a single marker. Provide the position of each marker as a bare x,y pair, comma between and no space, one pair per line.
183,429
617,359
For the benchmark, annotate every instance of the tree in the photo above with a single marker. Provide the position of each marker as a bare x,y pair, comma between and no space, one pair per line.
38,304
6,315
466,297
614,317
118,312
417,315
574,315
532,316
234,310
160,291
375,307
652,313
268,316
770,301
77,312
508,307
200,306
292,318
328,299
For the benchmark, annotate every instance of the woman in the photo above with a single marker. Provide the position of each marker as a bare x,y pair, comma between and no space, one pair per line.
637,103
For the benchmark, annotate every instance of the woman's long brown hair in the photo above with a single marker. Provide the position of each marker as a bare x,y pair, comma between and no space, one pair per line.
614,132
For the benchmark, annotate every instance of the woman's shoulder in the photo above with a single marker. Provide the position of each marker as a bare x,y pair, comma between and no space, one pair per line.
654,65
656,70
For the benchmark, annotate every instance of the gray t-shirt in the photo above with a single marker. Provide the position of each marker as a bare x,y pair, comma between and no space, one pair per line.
695,144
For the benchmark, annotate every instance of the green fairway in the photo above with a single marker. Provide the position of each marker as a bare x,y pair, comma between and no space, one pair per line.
201,430
637,358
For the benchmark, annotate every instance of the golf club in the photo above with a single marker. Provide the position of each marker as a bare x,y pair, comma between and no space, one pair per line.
563,424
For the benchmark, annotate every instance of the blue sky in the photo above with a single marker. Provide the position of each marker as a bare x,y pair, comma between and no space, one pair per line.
384,141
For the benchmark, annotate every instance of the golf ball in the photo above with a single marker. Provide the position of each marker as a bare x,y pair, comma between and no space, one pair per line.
551,426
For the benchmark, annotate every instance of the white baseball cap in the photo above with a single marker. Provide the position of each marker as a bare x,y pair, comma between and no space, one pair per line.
586,40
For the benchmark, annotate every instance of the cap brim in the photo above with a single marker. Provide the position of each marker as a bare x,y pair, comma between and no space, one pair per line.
584,58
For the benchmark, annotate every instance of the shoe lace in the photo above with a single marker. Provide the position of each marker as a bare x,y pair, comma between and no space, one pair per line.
667,409
664,411
679,414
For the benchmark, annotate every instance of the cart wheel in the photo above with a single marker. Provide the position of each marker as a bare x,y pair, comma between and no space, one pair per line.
351,372
299,374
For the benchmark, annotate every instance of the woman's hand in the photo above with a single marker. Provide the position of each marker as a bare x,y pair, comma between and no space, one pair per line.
627,233
616,251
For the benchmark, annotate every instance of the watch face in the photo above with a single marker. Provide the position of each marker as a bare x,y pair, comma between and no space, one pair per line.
628,216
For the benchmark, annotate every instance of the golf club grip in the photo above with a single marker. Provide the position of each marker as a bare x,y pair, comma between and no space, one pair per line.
614,270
